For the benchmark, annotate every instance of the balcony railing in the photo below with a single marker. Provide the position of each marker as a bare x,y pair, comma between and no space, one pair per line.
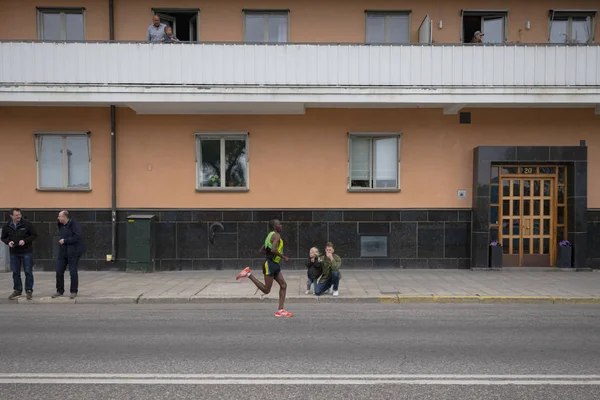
304,65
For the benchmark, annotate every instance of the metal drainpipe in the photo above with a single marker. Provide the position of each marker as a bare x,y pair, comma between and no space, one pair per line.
111,19
113,163
113,146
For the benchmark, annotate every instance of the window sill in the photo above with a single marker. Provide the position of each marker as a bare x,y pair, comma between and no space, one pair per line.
366,190
63,190
222,189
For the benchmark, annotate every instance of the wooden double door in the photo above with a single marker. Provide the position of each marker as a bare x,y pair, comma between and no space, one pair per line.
528,219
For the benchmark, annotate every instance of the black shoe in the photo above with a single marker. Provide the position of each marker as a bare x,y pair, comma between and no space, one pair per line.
29,295
73,295
15,294
57,294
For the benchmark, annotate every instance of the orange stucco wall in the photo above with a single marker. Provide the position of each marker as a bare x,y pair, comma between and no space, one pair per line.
19,176
19,18
310,20
156,159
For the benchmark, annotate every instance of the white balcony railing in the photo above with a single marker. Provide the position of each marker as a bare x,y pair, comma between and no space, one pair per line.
298,65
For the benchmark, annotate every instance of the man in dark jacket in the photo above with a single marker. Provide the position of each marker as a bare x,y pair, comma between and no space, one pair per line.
19,234
72,248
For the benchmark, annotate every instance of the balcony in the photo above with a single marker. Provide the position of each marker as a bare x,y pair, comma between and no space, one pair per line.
307,74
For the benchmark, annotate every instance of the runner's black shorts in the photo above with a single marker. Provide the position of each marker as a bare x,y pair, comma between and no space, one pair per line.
271,268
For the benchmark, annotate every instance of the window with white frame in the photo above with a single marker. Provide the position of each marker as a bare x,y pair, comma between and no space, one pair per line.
222,160
387,27
61,24
493,25
374,161
571,27
63,160
266,26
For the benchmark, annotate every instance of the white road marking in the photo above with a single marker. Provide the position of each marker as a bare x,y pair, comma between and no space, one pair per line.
295,379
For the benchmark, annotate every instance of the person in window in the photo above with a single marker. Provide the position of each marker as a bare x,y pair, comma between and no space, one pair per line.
477,37
169,37
156,31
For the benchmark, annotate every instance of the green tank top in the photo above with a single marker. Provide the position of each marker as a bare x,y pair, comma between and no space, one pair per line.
269,246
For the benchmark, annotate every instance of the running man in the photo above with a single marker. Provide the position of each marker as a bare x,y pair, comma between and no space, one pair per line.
273,249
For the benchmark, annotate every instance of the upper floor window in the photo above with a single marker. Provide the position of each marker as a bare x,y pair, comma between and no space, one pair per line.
266,26
61,24
222,160
387,27
571,27
374,161
480,26
63,160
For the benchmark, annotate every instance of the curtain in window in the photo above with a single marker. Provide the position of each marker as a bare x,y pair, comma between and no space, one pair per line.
50,161
360,149
278,28
386,162
78,161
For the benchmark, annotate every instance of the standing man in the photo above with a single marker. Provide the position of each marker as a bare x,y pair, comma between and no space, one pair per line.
273,249
156,31
19,235
71,249
331,272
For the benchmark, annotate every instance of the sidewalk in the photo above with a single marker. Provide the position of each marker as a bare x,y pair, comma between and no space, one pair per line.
373,286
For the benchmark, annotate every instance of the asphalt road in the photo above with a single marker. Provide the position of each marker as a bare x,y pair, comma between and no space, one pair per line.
327,351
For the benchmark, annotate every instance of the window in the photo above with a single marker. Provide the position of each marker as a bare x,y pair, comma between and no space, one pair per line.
222,160
61,24
373,246
63,160
266,27
183,21
571,27
374,161
388,27
491,23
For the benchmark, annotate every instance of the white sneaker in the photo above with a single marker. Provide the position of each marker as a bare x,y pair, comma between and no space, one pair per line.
330,291
336,293
307,292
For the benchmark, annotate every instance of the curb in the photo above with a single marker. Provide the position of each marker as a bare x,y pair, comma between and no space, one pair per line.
313,299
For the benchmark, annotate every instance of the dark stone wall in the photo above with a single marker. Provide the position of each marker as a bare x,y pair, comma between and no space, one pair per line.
593,239
417,238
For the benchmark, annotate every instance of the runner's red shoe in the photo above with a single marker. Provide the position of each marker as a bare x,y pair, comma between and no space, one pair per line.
283,313
244,274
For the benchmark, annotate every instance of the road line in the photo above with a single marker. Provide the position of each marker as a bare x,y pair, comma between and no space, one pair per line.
295,379
289,376
447,382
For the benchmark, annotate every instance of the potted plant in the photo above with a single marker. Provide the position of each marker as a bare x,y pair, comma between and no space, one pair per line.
565,254
495,254
214,181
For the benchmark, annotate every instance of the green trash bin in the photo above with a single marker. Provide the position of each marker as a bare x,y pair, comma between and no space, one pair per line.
140,243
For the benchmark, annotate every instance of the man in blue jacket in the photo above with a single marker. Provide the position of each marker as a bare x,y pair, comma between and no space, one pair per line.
72,248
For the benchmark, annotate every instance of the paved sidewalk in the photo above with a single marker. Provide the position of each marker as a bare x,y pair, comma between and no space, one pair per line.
396,286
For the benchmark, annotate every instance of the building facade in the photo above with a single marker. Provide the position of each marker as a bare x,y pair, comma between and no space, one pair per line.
376,125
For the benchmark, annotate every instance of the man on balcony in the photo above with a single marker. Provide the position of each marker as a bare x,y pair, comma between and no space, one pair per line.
156,31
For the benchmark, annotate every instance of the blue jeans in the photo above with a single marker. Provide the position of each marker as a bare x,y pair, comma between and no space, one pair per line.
16,260
334,281
310,283
61,267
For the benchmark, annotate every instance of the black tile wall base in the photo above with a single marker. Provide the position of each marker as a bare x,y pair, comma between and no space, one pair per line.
417,238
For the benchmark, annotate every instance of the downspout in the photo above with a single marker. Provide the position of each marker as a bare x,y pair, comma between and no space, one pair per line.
113,147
